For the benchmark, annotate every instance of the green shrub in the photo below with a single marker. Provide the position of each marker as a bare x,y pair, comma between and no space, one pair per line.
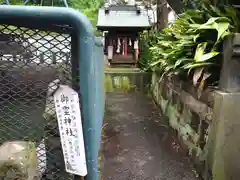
192,45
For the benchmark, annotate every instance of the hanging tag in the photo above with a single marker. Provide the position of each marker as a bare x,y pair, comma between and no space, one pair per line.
130,42
118,45
135,44
70,127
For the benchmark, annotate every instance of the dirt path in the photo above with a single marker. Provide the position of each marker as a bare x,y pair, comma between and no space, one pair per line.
137,147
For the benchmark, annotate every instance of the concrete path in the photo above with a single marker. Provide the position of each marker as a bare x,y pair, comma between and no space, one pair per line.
137,145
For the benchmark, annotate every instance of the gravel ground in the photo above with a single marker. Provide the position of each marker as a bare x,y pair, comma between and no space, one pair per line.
137,145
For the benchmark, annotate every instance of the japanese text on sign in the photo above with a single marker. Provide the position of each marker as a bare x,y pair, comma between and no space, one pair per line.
70,128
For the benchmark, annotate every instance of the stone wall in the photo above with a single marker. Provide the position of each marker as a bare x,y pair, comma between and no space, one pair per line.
208,125
188,114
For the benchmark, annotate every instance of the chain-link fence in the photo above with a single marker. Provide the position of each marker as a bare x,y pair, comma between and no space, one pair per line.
30,59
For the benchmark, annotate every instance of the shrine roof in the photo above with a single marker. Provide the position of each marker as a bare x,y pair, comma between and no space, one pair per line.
122,17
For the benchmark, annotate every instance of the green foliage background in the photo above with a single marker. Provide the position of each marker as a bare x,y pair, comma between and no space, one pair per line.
88,7
191,47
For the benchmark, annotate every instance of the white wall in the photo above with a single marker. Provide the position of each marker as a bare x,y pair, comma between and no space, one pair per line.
131,2
152,14
171,16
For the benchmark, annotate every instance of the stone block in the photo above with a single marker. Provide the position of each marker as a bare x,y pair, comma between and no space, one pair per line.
223,144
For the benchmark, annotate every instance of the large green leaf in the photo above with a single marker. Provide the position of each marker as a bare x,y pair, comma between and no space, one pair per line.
208,56
155,63
181,61
201,56
223,30
200,51
220,24
197,65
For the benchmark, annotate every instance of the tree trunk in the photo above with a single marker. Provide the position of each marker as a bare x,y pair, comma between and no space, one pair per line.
162,14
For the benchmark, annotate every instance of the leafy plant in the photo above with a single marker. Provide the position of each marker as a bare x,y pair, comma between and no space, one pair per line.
192,45
88,7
